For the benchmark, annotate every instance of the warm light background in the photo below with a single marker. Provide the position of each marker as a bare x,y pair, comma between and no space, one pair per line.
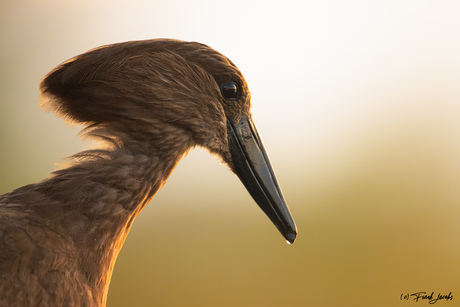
358,103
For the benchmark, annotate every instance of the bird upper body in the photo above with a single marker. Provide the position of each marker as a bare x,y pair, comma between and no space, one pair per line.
150,102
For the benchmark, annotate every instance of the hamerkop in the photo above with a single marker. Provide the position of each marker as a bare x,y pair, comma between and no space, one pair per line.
150,102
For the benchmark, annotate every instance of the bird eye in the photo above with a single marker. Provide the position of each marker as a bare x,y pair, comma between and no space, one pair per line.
229,90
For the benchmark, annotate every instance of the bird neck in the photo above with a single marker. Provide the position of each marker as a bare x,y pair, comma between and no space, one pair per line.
94,202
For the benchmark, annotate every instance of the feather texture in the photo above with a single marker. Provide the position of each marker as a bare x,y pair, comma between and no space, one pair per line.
150,101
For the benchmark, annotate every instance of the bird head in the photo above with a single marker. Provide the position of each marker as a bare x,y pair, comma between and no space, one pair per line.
152,92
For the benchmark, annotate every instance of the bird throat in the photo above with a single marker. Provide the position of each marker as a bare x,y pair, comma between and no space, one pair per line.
92,204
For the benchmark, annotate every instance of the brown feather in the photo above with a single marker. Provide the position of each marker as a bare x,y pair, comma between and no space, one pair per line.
151,101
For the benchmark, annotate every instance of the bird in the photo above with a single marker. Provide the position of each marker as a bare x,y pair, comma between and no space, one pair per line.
148,103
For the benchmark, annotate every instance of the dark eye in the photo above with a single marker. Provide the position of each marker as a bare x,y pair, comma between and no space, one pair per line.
229,90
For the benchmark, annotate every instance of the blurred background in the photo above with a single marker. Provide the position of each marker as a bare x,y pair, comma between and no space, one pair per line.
358,106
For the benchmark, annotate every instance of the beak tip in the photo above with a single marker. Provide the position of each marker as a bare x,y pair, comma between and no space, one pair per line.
290,237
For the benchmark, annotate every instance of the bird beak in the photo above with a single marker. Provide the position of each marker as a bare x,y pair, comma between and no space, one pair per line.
255,171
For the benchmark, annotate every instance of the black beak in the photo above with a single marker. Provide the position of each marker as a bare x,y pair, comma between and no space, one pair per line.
255,171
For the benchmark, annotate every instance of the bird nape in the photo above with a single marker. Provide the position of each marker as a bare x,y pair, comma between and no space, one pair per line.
150,102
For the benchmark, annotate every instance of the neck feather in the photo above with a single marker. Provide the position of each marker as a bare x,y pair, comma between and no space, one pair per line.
93,203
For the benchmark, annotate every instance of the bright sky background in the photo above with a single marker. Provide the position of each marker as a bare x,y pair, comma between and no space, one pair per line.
358,106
